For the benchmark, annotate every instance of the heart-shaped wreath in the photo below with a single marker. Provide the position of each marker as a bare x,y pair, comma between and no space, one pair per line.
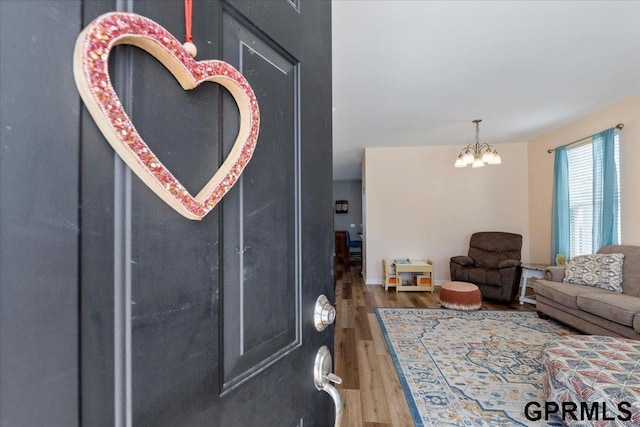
91,72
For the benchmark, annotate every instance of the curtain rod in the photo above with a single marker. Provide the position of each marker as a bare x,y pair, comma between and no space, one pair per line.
619,126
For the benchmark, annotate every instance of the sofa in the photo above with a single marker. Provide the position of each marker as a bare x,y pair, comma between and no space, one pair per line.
492,264
594,310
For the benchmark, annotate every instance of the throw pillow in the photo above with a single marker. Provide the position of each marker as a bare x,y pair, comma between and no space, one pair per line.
598,270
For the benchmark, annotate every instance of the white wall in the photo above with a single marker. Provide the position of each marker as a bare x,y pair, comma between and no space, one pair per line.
420,206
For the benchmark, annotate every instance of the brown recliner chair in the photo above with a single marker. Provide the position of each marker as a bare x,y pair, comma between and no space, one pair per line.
493,264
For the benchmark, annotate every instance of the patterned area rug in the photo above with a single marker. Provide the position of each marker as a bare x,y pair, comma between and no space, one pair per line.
469,368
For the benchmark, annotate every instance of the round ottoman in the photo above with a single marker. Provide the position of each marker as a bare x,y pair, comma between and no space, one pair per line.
460,296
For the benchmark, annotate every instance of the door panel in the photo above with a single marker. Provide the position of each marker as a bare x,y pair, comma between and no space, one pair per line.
208,320
261,253
177,322
39,218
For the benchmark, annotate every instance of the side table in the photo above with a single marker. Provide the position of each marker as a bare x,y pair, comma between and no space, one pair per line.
529,271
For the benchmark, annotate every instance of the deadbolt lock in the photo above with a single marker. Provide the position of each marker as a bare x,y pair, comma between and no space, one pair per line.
324,313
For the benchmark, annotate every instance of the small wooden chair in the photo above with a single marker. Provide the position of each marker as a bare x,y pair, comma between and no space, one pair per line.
388,274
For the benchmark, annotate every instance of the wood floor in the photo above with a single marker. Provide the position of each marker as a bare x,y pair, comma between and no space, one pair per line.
370,387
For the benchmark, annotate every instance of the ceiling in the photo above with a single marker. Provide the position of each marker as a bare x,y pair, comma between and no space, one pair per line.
415,73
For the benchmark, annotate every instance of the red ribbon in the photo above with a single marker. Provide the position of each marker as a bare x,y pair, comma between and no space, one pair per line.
187,20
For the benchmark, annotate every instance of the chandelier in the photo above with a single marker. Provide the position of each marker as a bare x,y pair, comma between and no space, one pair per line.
478,154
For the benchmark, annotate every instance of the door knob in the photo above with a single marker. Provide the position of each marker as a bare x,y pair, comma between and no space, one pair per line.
324,313
323,379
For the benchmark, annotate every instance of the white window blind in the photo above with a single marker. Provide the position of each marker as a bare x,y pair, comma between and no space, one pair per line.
580,162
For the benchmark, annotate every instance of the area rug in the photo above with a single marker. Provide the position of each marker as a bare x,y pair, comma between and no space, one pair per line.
476,368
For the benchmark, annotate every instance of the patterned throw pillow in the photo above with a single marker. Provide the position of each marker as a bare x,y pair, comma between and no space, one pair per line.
599,270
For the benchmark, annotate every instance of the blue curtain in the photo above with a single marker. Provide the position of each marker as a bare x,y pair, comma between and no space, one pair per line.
561,221
605,190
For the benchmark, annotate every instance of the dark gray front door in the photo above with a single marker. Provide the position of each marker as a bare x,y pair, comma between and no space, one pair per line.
145,317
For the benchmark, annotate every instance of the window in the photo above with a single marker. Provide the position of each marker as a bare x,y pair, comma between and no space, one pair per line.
583,198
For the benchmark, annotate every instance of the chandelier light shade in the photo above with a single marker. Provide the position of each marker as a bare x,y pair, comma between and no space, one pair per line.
477,155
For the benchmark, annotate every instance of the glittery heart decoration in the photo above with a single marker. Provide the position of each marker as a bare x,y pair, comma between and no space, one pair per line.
91,72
